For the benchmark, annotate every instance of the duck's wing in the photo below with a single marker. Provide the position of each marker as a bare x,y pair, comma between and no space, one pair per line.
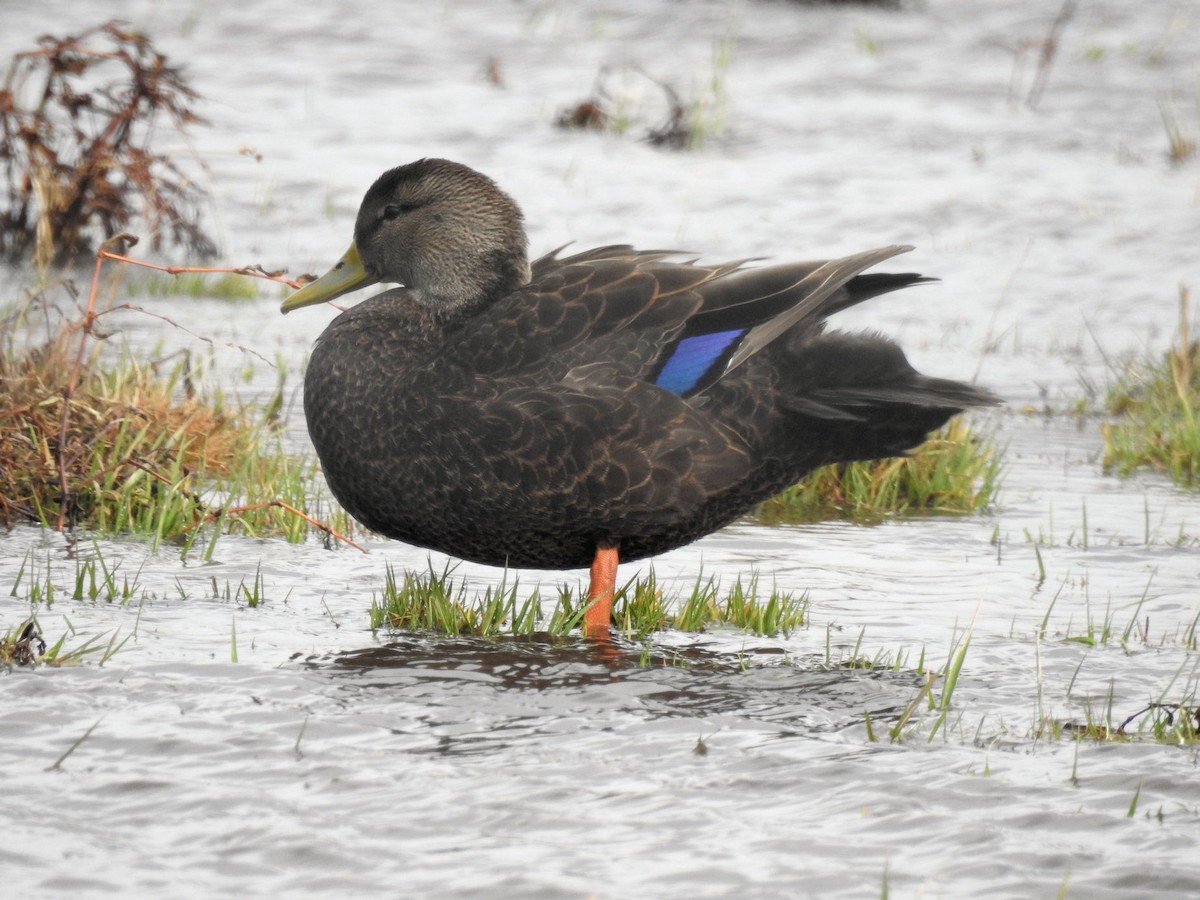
679,325
613,305
749,309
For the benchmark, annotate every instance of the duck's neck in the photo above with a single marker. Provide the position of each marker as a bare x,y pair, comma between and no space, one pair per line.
456,297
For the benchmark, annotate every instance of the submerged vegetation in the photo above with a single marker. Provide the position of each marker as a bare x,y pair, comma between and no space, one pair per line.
1157,405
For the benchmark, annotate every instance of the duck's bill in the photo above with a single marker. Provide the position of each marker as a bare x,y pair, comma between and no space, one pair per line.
348,275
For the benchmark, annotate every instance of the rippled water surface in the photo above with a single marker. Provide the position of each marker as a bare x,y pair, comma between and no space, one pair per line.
328,760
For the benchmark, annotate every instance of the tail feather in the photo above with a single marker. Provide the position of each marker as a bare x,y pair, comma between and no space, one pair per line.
867,379
865,287
935,393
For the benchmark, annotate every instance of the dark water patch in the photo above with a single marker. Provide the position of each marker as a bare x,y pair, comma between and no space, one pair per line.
551,681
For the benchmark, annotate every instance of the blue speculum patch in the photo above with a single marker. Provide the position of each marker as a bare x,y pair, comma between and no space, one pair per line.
693,358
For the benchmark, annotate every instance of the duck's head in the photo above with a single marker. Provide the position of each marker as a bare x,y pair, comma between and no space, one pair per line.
444,231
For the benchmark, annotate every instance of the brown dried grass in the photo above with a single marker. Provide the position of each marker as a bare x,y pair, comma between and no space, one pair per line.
128,445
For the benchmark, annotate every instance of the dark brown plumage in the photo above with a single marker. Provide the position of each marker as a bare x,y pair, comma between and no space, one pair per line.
528,415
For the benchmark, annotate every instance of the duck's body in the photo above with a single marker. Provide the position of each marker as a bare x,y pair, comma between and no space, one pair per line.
611,400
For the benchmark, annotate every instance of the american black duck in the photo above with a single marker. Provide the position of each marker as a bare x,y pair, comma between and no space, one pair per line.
584,409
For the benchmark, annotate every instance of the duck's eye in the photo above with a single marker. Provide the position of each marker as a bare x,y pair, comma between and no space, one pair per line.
396,210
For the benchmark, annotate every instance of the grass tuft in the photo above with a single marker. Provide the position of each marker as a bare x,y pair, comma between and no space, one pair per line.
429,601
955,471
1158,405
25,646
432,601
1157,723
122,445
1181,146
741,607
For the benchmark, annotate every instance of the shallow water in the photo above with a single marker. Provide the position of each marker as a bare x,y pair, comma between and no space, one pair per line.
326,760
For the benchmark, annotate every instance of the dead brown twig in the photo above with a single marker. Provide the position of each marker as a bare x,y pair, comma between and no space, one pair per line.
77,116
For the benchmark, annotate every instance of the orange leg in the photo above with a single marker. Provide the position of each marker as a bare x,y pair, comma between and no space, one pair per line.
601,589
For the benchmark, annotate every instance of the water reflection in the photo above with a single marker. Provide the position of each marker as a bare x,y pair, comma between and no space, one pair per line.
553,681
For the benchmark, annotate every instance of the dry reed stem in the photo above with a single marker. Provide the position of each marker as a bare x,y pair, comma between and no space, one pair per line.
1049,51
